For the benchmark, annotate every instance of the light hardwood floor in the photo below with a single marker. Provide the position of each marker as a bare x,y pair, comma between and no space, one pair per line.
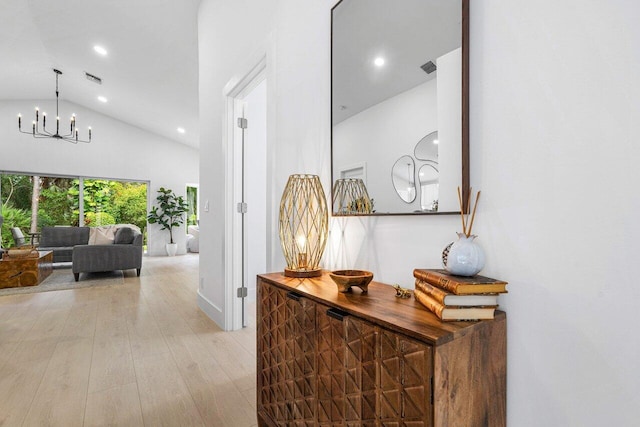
135,354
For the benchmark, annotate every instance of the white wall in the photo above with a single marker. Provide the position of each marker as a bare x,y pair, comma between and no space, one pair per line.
554,122
117,150
232,37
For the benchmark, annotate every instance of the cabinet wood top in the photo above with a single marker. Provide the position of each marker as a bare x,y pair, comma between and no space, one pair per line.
380,306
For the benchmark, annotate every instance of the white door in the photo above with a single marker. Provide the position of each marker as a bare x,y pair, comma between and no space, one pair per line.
251,191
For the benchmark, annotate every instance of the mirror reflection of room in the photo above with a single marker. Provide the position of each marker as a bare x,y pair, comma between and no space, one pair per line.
397,82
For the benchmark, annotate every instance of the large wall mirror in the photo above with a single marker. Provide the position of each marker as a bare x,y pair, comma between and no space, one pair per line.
399,106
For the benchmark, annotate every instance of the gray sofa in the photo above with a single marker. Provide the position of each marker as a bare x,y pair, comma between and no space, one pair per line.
125,253
72,244
61,241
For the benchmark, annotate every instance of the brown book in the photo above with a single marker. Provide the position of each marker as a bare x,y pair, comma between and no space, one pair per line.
461,285
449,299
453,314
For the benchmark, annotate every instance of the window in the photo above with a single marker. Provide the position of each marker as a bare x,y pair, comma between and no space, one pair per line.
192,201
31,202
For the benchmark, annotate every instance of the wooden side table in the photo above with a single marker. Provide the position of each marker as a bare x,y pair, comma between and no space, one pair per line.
17,272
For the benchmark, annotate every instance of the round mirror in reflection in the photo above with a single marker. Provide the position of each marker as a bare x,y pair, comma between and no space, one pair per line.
403,177
427,148
429,178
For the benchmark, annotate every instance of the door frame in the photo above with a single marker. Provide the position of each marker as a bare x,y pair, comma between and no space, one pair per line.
234,93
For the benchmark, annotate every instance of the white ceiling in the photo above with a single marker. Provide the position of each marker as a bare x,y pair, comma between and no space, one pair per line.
150,75
406,33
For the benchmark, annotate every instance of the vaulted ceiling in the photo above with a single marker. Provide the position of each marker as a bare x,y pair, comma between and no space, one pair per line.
149,75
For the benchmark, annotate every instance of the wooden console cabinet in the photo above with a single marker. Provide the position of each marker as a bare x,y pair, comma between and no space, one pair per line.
369,359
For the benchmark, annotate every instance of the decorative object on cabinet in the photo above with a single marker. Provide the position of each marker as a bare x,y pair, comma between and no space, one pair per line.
460,285
454,298
402,292
328,358
304,225
464,257
452,313
350,197
345,279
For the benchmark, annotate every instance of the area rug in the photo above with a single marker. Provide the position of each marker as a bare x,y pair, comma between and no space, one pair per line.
62,278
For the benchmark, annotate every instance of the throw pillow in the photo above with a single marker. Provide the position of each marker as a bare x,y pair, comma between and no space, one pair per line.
124,236
100,237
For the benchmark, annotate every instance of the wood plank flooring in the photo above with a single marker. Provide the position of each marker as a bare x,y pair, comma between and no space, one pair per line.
134,354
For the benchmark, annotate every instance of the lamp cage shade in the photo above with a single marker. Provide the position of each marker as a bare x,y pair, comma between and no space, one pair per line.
304,225
350,197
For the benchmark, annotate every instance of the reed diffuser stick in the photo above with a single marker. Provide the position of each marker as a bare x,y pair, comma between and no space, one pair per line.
473,215
468,209
464,227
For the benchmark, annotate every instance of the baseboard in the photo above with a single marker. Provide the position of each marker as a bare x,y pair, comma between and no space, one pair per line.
212,311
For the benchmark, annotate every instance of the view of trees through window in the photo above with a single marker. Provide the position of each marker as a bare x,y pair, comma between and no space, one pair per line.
31,202
192,201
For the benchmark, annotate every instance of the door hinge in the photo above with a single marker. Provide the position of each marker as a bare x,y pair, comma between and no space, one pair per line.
242,207
242,292
242,123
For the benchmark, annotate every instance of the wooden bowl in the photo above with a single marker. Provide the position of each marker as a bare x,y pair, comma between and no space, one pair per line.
345,279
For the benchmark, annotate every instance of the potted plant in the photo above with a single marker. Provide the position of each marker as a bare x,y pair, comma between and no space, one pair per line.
169,213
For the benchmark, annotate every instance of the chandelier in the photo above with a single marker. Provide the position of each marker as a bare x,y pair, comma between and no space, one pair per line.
36,132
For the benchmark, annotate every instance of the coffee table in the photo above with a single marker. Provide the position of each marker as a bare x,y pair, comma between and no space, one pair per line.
16,272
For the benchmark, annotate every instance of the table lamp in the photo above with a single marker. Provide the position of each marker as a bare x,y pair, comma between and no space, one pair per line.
304,225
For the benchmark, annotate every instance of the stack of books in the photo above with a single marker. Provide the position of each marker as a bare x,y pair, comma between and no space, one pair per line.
454,298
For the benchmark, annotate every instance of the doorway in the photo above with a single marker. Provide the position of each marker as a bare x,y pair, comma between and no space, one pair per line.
247,157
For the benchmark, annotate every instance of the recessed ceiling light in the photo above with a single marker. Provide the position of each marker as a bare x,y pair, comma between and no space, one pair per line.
435,141
102,99
99,49
181,130
379,61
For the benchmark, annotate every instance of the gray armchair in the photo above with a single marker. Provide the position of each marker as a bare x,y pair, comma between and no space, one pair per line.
18,237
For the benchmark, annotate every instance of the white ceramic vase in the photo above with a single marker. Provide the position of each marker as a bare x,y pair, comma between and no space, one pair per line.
464,257
172,248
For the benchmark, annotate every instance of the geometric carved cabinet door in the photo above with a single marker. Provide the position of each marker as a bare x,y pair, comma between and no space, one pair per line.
300,369
286,346
361,342
271,330
330,358
346,370
405,381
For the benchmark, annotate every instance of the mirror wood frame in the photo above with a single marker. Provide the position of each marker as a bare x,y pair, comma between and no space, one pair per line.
465,187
